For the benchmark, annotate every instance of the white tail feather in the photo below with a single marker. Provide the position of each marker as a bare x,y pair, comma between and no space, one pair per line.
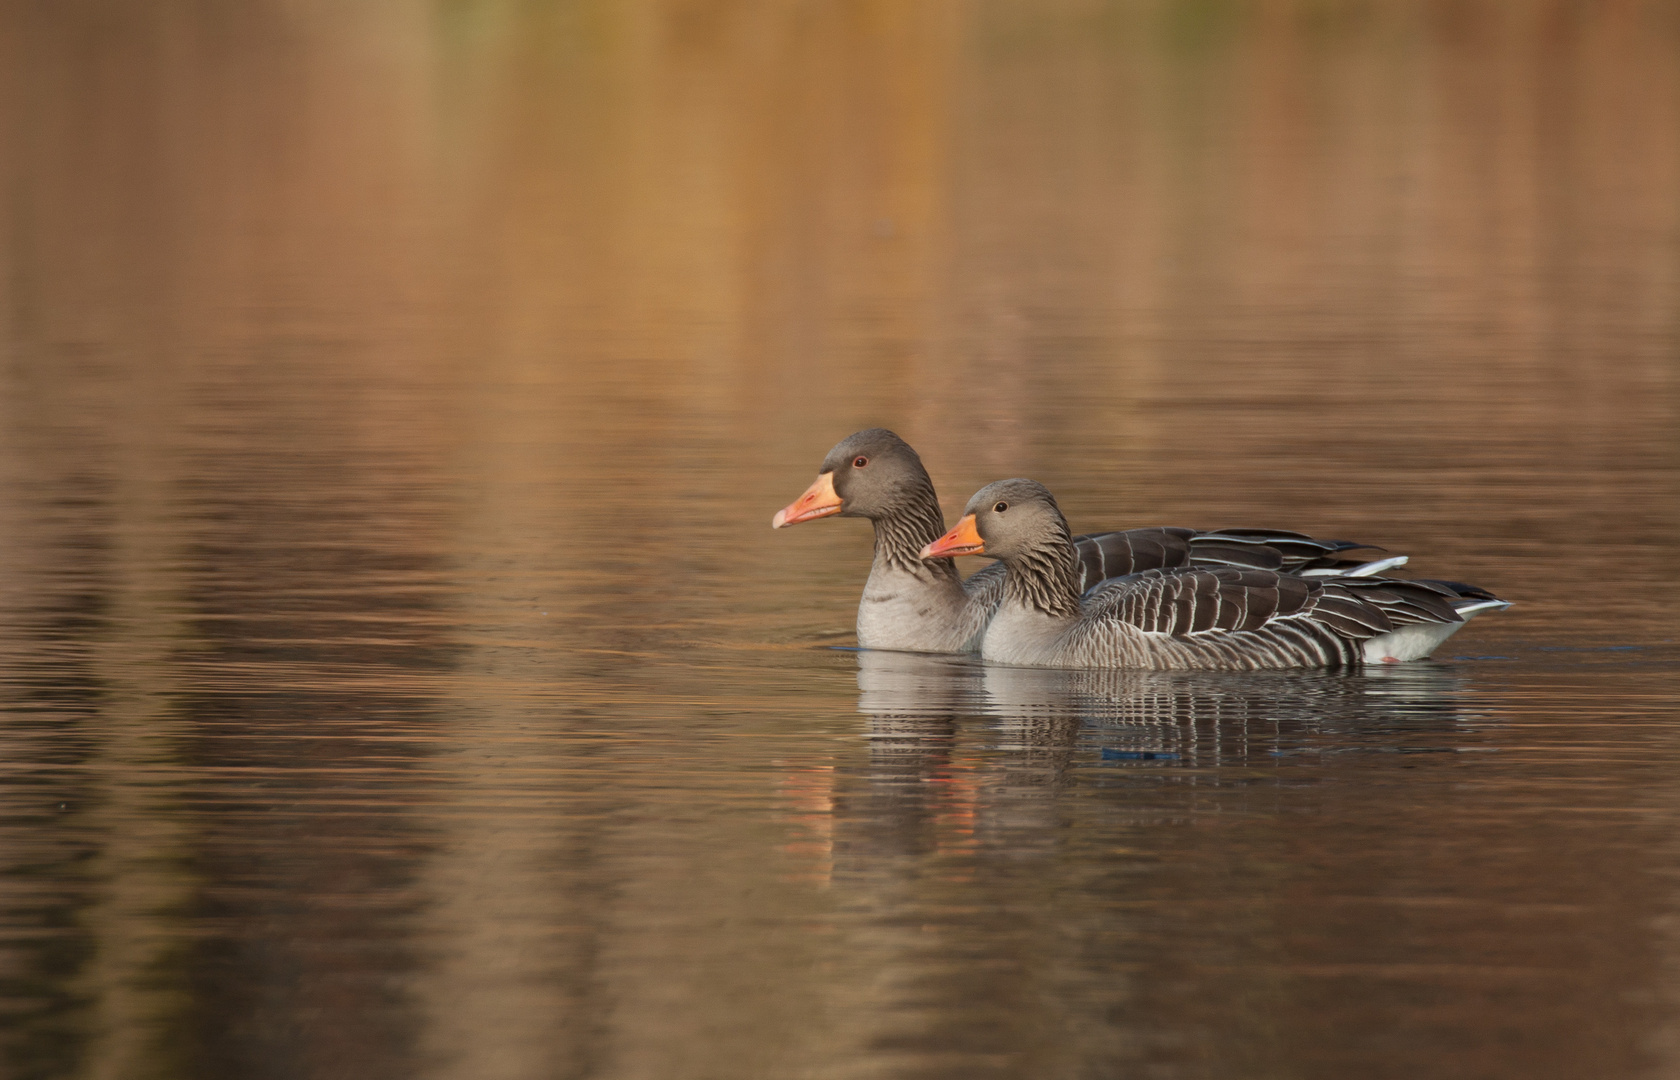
1412,642
1417,641
1468,609
1370,569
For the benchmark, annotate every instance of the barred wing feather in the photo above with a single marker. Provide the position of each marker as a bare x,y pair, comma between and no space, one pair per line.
1132,551
1129,551
1295,551
1257,618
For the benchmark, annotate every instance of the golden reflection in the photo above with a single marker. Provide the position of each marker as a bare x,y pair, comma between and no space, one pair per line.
429,369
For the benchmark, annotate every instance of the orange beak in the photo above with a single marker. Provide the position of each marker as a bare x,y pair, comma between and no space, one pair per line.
964,539
819,501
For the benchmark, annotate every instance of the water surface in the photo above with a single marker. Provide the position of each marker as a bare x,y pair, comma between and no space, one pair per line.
398,677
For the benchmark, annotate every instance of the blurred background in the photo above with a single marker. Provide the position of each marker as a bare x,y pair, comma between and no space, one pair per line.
398,676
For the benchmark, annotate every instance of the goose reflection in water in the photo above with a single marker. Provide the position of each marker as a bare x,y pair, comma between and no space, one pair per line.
975,762
1003,823
1047,722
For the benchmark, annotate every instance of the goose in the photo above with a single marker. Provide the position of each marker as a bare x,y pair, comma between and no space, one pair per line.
914,604
1218,618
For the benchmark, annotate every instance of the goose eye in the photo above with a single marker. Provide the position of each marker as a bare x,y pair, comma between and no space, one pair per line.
1001,507
859,462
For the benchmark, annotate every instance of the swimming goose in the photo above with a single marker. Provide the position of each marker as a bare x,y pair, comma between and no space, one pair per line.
1185,617
914,604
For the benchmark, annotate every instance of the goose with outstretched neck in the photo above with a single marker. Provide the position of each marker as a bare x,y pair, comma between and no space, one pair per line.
1186,617
919,604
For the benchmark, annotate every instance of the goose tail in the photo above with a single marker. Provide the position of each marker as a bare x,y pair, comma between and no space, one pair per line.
1417,640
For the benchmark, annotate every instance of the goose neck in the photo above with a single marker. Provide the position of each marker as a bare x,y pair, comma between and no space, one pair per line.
901,533
1046,579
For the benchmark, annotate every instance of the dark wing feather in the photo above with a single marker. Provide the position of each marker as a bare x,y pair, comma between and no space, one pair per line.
1196,600
1457,589
1349,617
1295,551
1391,602
1133,551
1193,600
1116,554
1259,605
1401,601
1205,608
1210,549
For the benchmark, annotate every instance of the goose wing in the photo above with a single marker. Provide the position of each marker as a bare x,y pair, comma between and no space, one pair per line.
1132,551
1272,549
1179,582
1129,551
1227,603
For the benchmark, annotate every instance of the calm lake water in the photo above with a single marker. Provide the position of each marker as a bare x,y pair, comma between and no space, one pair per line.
399,677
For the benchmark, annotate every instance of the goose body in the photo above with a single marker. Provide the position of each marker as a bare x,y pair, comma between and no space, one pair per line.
916,604
1188,617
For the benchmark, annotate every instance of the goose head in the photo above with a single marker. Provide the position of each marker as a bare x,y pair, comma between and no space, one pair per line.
872,474
1005,520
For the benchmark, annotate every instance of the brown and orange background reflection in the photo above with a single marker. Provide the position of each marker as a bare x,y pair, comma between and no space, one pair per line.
399,677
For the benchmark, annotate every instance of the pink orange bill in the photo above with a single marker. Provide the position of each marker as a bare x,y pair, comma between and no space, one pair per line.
964,539
819,501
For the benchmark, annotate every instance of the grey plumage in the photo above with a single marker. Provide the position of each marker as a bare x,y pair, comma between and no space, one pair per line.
1227,617
921,605
1240,619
